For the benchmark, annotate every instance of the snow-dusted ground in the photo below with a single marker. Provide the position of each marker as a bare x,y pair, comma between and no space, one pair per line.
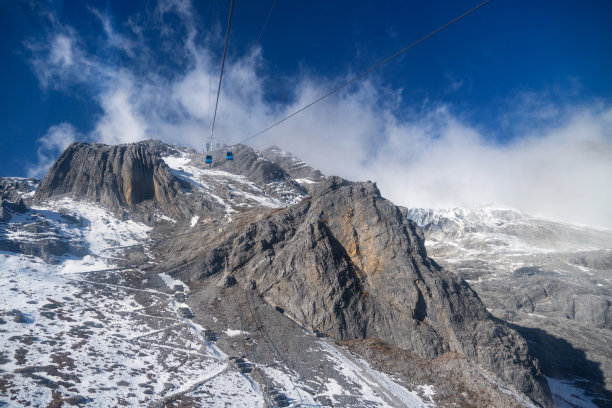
104,338
83,331
241,190
367,383
565,395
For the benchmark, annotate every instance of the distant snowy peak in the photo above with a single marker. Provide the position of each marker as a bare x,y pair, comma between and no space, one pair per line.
505,227
461,220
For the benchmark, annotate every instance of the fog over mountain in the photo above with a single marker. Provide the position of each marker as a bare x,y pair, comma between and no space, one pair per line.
139,273
438,233
549,153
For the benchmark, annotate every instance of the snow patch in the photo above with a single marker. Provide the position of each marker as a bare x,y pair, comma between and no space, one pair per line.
233,333
371,382
565,395
194,220
305,181
171,282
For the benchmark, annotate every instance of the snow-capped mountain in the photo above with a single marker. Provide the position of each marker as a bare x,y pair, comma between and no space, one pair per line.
552,280
82,323
140,275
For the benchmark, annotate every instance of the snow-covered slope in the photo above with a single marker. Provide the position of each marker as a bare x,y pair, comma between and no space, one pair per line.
506,229
228,189
82,322
552,280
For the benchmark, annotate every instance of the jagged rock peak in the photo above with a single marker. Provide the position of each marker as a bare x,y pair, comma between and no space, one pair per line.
120,176
296,168
12,192
348,263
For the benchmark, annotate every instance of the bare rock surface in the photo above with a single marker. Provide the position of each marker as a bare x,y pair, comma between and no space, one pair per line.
118,177
296,168
13,189
346,262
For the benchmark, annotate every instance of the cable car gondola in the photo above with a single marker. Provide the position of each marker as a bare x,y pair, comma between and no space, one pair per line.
229,156
208,158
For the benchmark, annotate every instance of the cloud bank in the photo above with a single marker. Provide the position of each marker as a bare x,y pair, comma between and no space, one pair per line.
560,167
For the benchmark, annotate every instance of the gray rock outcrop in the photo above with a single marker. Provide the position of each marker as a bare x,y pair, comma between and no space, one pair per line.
15,188
295,167
5,215
6,207
348,263
248,163
12,191
118,177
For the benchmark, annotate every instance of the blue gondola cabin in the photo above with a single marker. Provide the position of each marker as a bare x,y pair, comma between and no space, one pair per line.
229,156
208,158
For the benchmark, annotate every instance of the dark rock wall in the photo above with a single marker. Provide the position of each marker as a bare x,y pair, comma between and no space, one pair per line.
116,176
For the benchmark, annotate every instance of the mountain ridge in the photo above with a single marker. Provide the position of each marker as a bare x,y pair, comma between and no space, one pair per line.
550,280
331,254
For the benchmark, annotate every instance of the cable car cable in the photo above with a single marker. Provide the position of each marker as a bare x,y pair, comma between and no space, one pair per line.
265,22
229,25
366,72
263,27
212,21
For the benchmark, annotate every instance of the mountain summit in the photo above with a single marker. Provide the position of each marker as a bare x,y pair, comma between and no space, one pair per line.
271,241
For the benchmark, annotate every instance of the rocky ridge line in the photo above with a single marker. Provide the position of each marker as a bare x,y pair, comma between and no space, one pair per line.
346,262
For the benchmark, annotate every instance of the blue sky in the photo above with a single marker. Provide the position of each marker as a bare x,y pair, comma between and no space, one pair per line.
510,105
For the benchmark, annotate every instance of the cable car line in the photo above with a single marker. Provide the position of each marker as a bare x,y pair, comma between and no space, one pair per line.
229,155
265,22
366,72
212,128
212,21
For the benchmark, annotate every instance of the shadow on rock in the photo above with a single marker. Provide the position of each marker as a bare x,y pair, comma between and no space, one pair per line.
560,360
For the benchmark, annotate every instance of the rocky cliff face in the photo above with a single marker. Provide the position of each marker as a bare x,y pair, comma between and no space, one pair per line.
116,176
12,191
549,279
348,263
343,260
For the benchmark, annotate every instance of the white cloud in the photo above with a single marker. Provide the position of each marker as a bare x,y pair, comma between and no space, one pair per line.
558,164
59,60
113,38
122,121
61,51
57,138
563,171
